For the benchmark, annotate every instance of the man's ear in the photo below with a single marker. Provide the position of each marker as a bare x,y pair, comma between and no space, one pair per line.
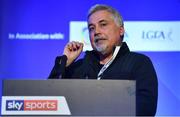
122,30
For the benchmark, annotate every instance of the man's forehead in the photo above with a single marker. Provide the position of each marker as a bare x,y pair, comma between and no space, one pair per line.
99,16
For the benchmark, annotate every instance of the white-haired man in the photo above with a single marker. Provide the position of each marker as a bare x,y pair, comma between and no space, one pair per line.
110,59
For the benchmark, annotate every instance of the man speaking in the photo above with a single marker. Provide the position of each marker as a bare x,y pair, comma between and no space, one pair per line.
110,59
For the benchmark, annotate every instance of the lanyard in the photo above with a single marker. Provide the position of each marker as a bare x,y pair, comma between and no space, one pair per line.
108,63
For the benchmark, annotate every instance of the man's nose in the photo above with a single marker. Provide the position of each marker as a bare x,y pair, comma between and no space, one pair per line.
97,31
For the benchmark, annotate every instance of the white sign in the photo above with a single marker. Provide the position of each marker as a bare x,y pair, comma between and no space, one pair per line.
79,32
34,105
139,35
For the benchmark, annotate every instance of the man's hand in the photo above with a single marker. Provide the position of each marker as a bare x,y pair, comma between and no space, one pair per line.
72,50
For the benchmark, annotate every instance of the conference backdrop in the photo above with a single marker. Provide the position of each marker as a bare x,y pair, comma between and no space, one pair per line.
34,32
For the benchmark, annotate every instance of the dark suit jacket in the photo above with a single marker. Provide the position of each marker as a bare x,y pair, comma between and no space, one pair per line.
127,65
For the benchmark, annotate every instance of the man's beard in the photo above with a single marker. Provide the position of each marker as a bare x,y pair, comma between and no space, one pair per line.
102,48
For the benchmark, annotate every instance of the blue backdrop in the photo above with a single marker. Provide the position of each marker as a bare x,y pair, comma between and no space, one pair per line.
24,56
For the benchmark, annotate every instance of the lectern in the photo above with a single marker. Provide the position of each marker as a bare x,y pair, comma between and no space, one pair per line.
83,97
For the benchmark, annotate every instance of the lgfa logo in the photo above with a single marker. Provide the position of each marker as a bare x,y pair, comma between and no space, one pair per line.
31,105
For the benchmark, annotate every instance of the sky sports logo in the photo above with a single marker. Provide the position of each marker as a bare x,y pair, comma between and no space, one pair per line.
31,105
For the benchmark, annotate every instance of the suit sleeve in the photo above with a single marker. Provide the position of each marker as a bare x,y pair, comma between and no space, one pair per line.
59,67
147,88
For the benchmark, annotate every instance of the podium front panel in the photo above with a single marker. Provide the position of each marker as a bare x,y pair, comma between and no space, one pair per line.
84,97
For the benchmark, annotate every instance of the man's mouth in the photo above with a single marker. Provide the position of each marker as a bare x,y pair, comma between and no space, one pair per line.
96,40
